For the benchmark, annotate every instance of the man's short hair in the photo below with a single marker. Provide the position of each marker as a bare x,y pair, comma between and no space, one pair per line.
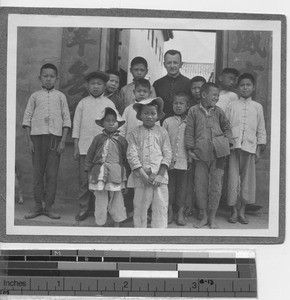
139,60
142,82
197,79
49,66
247,76
206,87
113,72
173,52
181,94
233,71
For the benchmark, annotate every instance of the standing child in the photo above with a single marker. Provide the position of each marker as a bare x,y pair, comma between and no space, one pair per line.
207,138
105,164
177,185
138,69
149,155
228,82
112,89
195,85
46,121
248,127
141,92
85,129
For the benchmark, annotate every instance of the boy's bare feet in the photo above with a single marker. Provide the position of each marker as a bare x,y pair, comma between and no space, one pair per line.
213,225
203,222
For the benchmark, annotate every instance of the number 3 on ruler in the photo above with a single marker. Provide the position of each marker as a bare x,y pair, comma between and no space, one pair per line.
194,285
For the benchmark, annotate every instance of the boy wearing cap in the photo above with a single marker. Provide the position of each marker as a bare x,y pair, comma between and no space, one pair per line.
85,129
149,156
138,69
105,163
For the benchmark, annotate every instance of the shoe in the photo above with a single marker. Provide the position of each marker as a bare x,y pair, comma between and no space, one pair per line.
51,214
34,213
243,220
81,216
232,220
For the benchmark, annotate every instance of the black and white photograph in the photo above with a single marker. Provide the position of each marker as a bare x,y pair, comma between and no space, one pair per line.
143,126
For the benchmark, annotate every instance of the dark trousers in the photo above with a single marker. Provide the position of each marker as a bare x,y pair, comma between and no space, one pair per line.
177,187
45,161
84,193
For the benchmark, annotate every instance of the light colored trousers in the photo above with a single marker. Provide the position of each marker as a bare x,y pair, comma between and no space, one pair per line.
208,184
109,202
143,198
242,169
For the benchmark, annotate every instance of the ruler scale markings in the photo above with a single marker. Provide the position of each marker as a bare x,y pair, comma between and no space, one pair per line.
214,282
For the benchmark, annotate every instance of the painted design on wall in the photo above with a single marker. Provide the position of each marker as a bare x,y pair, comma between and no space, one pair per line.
249,41
80,38
76,83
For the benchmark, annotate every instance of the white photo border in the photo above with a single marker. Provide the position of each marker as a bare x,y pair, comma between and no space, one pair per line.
34,20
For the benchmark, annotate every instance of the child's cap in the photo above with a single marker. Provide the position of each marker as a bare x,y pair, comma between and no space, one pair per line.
158,101
109,110
97,75
139,60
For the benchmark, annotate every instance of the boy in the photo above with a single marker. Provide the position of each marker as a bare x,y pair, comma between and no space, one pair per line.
149,156
228,81
177,185
248,127
208,137
85,129
195,84
46,121
111,89
141,92
173,82
139,69
105,164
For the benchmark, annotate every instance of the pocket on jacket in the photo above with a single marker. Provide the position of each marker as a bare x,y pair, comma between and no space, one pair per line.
221,146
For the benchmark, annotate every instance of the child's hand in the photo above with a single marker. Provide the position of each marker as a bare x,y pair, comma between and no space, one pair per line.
124,191
76,152
60,147
193,155
157,181
146,179
31,147
258,154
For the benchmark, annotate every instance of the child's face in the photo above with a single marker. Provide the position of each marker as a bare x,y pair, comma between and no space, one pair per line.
228,80
110,123
113,83
180,106
149,115
139,71
195,89
96,86
141,92
172,64
48,78
246,88
211,98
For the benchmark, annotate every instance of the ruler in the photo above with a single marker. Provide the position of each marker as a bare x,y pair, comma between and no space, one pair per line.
127,273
